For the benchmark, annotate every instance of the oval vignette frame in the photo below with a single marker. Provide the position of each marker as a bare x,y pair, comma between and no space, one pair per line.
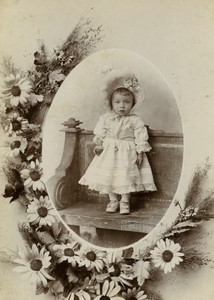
80,94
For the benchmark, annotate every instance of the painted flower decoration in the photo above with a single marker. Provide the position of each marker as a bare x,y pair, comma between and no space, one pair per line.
72,277
92,259
189,212
84,291
34,265
41,212
166,255
58,55
141,271
67,252
32,176
18,144
17,125
108,291
34,99
134,294
131,83
80,295
118,271
17,89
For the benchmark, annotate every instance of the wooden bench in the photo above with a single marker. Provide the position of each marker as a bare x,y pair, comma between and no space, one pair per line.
84,210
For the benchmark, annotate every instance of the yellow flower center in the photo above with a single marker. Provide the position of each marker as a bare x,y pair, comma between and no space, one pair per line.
16,125
91,255
15,144
68,252
116,271
167,255
35,175
42,211
16,91
36,265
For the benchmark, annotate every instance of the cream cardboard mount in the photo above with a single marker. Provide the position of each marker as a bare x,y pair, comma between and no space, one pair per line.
65,254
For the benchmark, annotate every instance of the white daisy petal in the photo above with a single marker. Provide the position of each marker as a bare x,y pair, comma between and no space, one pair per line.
161,245
20,269
47,275
111,286
168,268
105,287
175,247
26,275
115,291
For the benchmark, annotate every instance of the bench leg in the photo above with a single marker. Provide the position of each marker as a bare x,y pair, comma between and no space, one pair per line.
89,233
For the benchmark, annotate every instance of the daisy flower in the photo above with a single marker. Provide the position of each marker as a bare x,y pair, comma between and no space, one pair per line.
118,271
166,255
58,55
92,258
67,252
18,144
17,125
83,291
34,265
189,212
41,212
108,291
17,89
32,176
80,295
134,294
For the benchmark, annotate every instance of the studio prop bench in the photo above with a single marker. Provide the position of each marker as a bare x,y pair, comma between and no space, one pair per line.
85,209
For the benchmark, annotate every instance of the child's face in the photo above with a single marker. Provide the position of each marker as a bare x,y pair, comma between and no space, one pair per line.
122,104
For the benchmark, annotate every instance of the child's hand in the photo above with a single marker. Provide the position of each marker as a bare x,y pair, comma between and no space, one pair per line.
139,160
98,150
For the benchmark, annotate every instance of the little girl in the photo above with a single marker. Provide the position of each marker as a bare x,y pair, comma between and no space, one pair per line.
120,165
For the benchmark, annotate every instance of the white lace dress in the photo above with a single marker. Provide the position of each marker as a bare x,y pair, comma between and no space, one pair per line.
115,169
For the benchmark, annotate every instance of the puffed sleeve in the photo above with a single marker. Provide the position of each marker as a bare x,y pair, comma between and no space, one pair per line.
141,136
100,131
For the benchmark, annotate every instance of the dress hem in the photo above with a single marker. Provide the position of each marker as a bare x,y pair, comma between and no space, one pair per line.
103,189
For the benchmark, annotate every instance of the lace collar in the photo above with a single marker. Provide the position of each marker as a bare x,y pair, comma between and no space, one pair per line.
117,117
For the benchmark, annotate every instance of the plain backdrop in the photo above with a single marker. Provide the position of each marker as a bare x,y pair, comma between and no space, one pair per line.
177,38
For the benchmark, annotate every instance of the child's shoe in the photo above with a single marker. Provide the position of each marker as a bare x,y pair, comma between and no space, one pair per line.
124,208
113,206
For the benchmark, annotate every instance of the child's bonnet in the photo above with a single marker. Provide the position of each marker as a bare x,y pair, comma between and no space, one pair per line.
121,78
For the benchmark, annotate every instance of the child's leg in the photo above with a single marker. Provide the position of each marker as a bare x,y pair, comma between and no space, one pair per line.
113,205
125,197
124,204
113,197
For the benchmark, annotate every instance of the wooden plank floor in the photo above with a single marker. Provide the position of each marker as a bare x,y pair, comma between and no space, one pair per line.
141,220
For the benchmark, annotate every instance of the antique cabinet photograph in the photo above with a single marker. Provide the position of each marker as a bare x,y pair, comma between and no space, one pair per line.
107,161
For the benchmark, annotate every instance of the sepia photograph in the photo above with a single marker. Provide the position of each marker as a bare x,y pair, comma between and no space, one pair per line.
104,183
107,161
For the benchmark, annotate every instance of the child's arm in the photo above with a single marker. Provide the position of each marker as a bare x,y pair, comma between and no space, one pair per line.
141,140
139,159
100,133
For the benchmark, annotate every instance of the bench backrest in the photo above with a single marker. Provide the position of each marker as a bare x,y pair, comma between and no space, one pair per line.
165,158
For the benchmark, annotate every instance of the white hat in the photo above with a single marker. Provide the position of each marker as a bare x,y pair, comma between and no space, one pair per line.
121,78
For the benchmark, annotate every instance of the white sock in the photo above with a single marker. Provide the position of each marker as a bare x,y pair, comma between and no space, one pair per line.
125,198
113,197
